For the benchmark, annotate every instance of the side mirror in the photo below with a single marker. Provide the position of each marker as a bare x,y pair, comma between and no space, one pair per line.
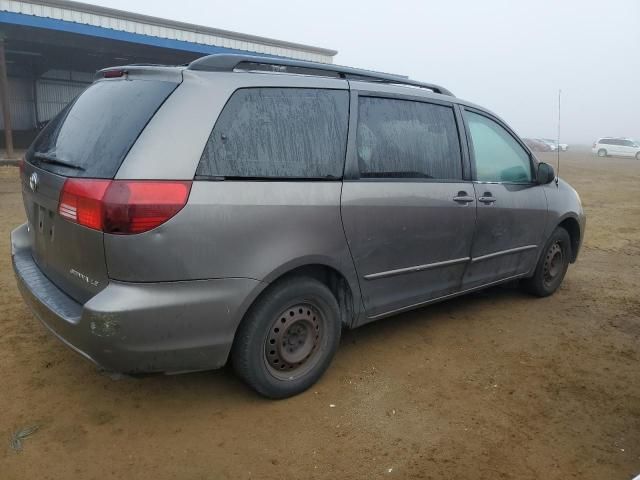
545,173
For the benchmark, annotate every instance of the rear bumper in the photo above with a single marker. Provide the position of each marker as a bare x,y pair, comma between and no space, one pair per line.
167,327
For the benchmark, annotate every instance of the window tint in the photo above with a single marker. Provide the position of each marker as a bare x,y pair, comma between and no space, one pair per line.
627,143
279,133
406,139
604,141
498,156
96,131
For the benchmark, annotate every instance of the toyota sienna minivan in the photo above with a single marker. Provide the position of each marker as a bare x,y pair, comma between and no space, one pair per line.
246,209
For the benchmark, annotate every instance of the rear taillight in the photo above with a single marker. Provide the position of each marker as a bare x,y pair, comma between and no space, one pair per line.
122,206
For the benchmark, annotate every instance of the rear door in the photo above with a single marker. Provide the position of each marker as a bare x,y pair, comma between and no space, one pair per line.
512,207
88,139
407,210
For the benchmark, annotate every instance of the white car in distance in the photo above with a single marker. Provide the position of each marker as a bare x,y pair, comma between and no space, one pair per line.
617,147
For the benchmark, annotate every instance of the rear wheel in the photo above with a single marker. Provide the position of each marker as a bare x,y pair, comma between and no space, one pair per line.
602,152
288,339
552,265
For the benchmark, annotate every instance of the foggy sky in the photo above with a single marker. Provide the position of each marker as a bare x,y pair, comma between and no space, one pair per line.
511,57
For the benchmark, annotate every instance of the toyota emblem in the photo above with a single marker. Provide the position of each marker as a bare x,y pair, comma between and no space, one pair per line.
33,181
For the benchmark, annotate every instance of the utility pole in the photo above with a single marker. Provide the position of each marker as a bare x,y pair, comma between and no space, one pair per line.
4,98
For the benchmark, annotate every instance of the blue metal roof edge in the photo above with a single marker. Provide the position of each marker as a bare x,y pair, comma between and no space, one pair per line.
108,33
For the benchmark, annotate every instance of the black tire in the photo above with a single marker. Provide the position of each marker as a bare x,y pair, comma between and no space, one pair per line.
272,352
552,265
602,152
638,156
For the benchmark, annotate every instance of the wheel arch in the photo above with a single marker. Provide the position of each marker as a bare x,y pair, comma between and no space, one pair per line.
572,226
343,285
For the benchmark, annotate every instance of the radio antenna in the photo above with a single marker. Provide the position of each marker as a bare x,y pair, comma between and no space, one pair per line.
558,142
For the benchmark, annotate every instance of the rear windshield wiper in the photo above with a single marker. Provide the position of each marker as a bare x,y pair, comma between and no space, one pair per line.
47,158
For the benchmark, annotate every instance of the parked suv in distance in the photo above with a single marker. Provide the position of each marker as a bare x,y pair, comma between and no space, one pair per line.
616,147
249,208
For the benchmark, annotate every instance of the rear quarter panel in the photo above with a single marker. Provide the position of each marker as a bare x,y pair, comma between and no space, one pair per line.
249,229
243,229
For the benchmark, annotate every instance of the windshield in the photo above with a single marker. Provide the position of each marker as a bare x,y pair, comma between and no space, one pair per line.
93,134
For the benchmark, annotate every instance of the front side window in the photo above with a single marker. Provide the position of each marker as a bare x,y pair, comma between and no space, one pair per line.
279,133
498,156
407,139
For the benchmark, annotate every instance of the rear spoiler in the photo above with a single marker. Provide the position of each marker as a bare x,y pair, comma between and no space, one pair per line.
142,72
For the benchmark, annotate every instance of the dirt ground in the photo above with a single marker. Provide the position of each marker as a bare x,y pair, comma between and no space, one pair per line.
496,385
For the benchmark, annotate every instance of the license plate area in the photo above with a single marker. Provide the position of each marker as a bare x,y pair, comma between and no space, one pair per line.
45,225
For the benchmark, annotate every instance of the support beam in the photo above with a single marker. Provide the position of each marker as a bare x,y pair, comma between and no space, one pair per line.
4,98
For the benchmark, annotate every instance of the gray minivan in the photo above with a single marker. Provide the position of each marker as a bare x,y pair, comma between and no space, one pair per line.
248,208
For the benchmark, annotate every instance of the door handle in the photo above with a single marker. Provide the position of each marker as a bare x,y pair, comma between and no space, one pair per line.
463,197
487,198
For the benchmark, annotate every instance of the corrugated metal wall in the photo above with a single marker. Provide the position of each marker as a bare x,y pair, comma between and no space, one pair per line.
54,95
21,104
53,91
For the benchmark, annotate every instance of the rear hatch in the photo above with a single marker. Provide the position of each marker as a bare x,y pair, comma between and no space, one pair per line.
89,139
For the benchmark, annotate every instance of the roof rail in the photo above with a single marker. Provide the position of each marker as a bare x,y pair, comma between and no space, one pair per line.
224,62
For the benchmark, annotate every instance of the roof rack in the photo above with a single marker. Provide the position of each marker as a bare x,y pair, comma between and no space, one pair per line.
223,62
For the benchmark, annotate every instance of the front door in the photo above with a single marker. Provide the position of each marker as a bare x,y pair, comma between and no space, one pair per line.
512,207
407,212
628,148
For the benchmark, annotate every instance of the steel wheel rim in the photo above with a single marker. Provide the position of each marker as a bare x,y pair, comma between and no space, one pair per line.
553,263
293,342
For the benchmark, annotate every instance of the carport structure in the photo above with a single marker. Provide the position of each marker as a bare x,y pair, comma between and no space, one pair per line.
50,50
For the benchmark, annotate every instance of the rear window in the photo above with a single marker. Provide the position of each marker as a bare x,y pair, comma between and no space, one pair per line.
279,133
93,134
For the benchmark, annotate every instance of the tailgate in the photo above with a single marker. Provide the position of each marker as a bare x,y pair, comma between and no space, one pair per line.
70,255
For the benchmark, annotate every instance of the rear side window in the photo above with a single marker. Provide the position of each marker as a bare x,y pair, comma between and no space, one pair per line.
407,139
93,134
279,133
498,156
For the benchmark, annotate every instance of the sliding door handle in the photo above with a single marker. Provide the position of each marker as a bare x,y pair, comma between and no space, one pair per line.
463,198
487,200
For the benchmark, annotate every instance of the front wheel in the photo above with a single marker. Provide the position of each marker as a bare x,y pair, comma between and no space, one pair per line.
638,156
602,152
288,338
552,265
